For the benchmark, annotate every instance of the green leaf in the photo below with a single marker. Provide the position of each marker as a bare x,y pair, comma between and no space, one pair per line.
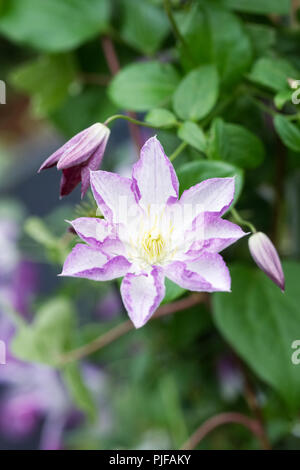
263,37
280,7
54,25
173,291
144,25
160,117
272,73
47,79
260,322
172,409
194,172
38,231
80,393
288,132
48,336
231,46
143,86
283,97
235,144
81,111
197,93
215,35
191,133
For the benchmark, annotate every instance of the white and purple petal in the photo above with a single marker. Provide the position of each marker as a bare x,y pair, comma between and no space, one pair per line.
142,293
207,273
154,178
100,234
212,195
92,230
113,195
211,233
88,262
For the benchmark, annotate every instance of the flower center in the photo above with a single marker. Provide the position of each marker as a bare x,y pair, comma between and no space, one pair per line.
154,247
149,241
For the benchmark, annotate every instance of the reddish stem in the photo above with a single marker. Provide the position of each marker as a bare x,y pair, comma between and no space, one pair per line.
126,326
114,67
218,420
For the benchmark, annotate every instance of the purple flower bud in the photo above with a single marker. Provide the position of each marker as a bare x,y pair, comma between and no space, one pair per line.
266,257
82,153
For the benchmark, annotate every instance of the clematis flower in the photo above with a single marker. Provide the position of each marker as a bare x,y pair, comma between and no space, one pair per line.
82,153
149,233
266,257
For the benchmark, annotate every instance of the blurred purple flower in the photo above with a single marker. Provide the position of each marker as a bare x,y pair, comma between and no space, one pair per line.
18,277
266,257
82,153
19,415
24,286
33,392
230,378
30,391
109,306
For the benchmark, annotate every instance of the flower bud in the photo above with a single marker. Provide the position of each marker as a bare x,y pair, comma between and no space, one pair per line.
266,257
82,153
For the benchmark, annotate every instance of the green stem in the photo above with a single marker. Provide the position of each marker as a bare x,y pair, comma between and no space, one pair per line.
293,117
263,107
177,33
238,219
255,90
179,149
128,118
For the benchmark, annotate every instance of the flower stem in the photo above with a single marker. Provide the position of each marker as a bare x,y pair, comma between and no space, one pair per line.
267,109
127,326
114,67
177,33
292,117
130,119
218,420
238,219
253,404
179,149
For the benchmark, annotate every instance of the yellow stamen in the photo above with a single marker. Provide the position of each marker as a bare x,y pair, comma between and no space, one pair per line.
154,247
